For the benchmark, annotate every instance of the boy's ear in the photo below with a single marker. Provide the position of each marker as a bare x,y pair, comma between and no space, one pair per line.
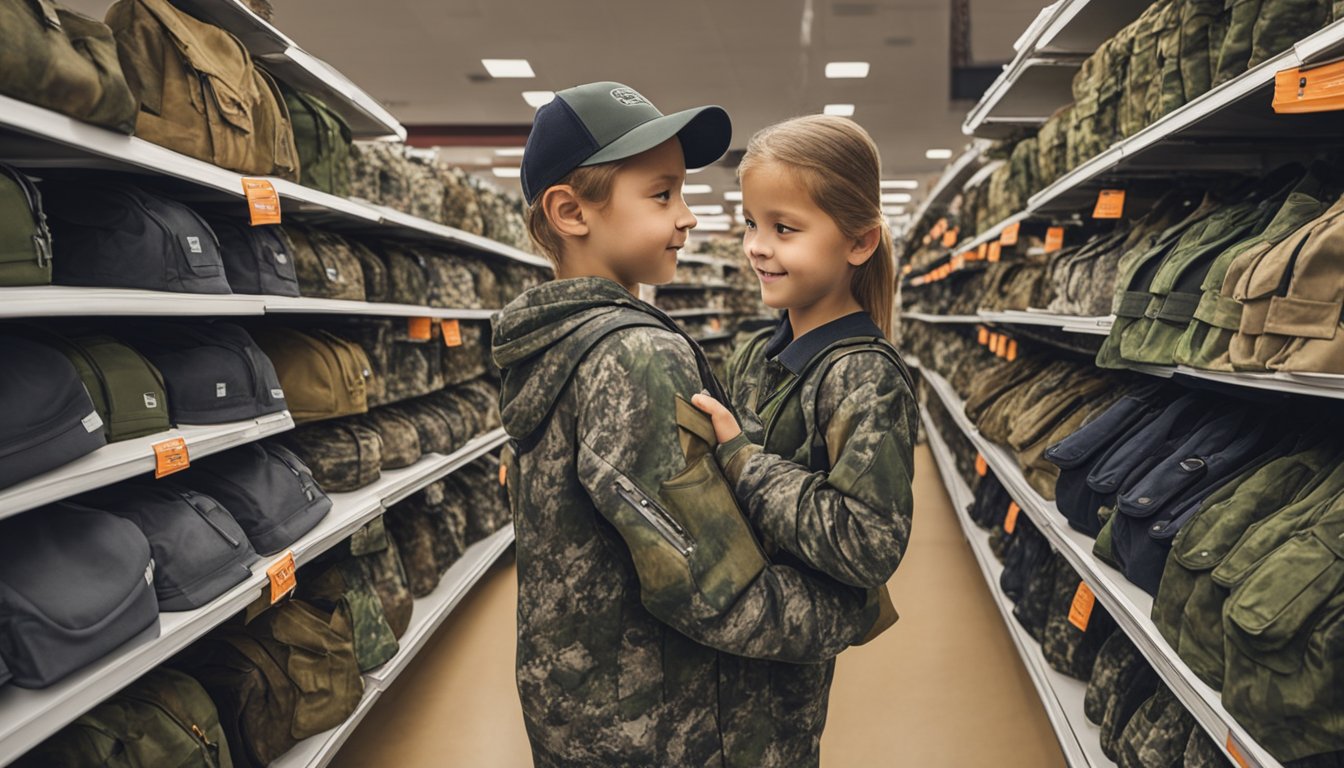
564,211
864,246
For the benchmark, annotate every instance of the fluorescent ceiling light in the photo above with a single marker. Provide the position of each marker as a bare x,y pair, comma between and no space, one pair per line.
508,67
707,210
536,99
839,110
938,154
696,189
893,210
510,152
733,195
507,172
896,197
900,184
846,69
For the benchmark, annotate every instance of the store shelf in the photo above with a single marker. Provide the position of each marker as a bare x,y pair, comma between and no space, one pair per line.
1039,79
47,143
29,716
283,58
64,301
700,312
126,459
1231,127
1061,695
1068,323
949,184
429,614
1129,605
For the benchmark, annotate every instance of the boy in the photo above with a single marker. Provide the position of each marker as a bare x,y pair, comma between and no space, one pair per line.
637,574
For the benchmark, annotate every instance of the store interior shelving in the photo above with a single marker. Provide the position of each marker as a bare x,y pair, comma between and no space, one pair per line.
1127,603
1061,696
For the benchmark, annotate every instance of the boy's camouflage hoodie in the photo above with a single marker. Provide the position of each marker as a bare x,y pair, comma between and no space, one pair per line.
645,639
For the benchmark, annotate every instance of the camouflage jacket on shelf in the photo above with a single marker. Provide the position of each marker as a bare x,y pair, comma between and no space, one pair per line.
634,649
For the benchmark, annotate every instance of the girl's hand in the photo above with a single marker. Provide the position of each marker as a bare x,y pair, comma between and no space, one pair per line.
725,424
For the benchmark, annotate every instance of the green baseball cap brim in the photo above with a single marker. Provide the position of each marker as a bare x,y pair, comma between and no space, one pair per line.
705,133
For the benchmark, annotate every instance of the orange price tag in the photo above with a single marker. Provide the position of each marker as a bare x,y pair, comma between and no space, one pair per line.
1110,204
996,344
950,238
263,204
984,335
981,466
995,252
1012,350
503,473
928,239
419,329
170,456
1054,239
939,228
452,333
1010,520
1234,749
1319,89
983,252
283,575
1080,613
715,324
907,269
1010,233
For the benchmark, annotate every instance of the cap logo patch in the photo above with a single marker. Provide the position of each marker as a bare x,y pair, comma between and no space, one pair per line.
628,96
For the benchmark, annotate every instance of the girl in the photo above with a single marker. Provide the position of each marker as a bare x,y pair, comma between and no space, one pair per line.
824,466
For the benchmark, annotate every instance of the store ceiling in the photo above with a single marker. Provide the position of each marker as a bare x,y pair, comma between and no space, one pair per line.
761,59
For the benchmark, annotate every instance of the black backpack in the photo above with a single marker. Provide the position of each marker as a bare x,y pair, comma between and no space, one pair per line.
214,372
75,583
200,552
257,260
265,487
117,235
49,419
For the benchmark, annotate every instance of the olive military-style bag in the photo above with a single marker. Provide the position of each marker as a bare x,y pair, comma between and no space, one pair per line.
127,390
376,553
323,376
199,550
76,583
51,420
323,142
214,372
257,260
267,489
400,438
64,61
199,92
120,236
288,675
342,579
25,240
342,456
164,718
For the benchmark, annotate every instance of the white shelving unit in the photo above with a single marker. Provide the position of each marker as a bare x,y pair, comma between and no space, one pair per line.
365,116
1061,695
128,458
1129,605
57,301
1100,326
941,319
681,314
29,716
429,614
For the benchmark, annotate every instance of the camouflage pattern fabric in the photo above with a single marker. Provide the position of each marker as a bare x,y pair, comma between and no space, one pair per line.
343,457
1068,649
1203,752
400,438
1157,735
449,519
345,580
633,631
460,207
433,426
468,361
414,537
407,276
451,281
382,565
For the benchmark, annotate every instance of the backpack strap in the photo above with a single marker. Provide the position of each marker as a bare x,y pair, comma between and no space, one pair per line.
819,457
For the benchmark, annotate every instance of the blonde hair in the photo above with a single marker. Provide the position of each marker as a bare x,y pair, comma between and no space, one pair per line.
839,165
592,183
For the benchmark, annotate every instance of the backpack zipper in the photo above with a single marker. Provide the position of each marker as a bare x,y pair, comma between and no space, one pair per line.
41,238
305,482
667,527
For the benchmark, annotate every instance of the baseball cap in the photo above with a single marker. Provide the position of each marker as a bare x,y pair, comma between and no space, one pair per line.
604,122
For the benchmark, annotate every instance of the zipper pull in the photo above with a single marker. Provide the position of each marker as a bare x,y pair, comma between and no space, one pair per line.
218,528
200,734
43,246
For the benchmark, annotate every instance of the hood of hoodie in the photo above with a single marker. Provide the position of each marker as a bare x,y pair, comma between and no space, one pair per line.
537,346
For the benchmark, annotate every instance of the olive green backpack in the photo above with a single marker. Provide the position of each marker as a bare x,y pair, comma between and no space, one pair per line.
25,241
164,718
323,140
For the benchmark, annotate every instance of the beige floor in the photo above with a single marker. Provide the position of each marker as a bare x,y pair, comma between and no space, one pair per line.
943,689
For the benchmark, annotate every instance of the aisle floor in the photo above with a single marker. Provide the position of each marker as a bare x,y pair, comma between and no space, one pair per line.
943,688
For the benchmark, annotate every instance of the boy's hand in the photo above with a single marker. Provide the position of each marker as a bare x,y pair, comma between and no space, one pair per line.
725,424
